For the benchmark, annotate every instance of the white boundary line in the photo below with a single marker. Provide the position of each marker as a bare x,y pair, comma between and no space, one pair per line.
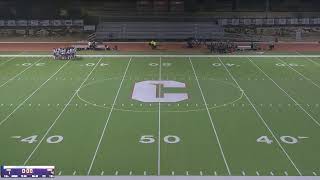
262,119
108,118
159,123
19,73
65,107
212,124
5,119
159,55
299,73
314,120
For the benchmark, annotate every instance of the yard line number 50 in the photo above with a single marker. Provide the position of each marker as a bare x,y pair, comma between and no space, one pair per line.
169,139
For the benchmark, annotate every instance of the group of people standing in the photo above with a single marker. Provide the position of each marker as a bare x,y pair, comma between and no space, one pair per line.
64,53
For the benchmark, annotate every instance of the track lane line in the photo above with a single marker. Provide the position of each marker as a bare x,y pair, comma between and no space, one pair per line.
314,120
108,118
20,73
210,117
34,92
262,119
63,110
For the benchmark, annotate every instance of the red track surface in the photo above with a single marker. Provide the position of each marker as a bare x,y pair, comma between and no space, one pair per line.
172,47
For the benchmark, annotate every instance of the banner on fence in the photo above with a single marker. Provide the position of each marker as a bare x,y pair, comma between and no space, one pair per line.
258,21
34,22
11,23
235,22
305,21
67,22
78,22
270,21
247,21
44,23
22,23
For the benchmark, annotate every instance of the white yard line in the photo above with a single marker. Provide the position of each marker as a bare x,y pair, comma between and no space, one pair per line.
314,120
210,117
34,92
10,59
63,110
316,63
262,119
159,123
299,73
108,118
308,59
20,73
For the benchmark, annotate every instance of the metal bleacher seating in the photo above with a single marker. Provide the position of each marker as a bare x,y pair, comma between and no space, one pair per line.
157,30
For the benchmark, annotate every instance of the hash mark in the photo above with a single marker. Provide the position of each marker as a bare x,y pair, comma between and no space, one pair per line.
187,173
116,173
172,173
286,173
201,174
102,173
215,173
60,173
16,137
271,173
145,173
130,173
243,173
314,173
74,172
258,174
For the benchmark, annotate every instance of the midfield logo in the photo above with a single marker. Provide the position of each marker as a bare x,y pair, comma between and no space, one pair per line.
154,91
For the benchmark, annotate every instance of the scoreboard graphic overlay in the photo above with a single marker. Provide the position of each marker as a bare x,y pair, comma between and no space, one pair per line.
27,171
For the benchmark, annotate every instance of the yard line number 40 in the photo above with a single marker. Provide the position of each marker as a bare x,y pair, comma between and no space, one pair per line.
50,140
284,139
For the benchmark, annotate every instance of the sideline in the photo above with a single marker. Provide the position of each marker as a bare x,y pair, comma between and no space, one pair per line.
173,56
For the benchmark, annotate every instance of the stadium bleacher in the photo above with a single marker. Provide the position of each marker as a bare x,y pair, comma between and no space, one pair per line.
157,30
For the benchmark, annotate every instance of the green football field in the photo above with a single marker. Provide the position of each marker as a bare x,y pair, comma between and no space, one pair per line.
162,115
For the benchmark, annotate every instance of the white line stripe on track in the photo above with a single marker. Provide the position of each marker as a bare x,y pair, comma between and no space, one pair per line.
5,119
262,119
108,118
210,117
314,120
60,114
19,74
299,73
